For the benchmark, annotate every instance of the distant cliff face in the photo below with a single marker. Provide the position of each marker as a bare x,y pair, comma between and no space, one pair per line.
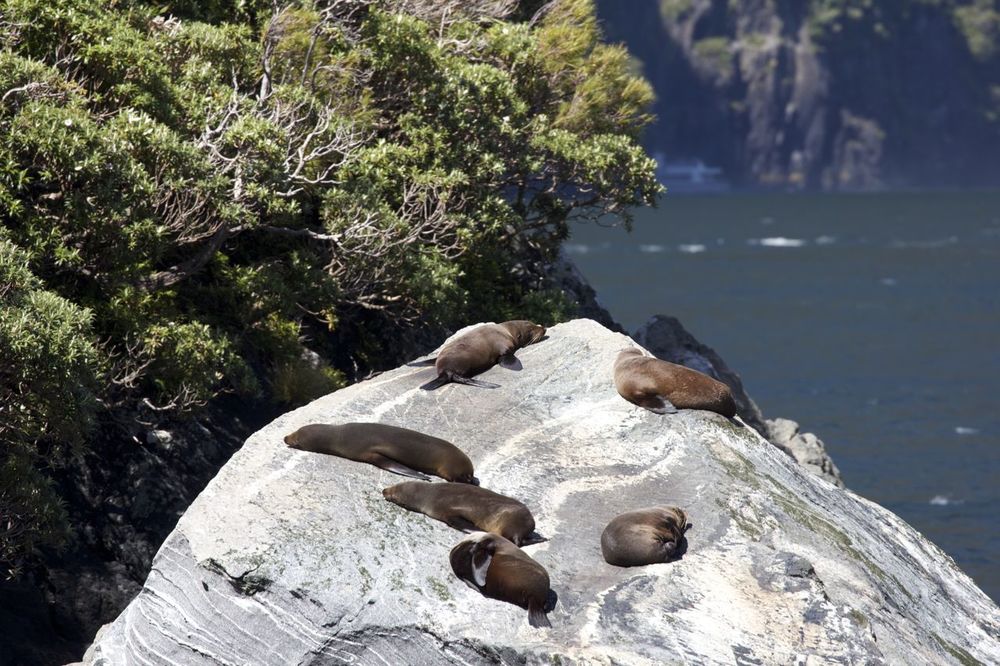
831,94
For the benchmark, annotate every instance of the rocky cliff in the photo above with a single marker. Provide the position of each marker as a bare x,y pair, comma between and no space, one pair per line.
290,557
822,94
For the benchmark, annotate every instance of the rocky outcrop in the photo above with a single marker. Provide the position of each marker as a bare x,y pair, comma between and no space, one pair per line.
838,96
807,449
291,557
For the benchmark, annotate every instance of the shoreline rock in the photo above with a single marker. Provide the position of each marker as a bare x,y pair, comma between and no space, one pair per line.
289,557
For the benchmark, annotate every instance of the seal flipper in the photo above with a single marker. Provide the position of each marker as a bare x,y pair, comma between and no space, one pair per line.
423,364
390,465
462,524
659,405
440,381
510,362
471,382
532,539
536,616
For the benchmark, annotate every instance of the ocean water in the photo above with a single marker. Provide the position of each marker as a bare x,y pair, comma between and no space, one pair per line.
873,320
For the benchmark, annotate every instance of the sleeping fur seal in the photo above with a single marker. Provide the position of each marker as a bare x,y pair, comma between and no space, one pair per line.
664,387
467,508
645,536
500,570
398,450
479,350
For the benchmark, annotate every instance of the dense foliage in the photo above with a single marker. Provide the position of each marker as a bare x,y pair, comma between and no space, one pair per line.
198,198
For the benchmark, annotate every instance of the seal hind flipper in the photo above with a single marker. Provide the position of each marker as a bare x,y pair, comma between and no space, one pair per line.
532,539
462,524
537,618
473,382
440,381
422,364
396,467
659,405
510,362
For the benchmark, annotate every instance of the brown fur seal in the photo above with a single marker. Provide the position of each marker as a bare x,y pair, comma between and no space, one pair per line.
398,450
664,387
500,570
479,350
646,536
467,508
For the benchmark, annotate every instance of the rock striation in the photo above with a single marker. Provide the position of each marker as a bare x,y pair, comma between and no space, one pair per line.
291,557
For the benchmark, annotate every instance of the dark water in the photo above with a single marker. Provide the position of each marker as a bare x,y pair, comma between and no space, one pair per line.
873,320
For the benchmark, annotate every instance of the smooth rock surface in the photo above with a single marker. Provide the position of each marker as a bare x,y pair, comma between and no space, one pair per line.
290,557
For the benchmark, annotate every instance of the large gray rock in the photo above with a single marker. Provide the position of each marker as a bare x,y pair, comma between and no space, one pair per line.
294,558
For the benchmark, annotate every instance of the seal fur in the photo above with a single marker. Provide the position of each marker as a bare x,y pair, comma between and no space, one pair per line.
467,508
395,449
644,536
479,350
500,570
664,387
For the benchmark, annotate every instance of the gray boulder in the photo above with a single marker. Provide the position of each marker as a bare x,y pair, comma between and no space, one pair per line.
290,557
807,449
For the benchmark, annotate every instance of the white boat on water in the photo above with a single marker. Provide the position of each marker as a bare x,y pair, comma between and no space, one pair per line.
689,176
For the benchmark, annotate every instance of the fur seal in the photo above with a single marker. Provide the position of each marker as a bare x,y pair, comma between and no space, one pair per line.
645,536
664,387
479,350
500,570
467,508
398,450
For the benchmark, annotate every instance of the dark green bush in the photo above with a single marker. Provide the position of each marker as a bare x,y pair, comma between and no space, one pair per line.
218,194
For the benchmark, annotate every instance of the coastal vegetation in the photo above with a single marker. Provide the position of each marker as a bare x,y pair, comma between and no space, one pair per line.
230,197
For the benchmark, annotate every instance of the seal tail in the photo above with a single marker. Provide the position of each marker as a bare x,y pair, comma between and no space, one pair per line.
440,381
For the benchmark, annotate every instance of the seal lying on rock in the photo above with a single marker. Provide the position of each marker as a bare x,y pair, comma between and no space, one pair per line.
398,450
467,508
479,350
664,387
500,570
645,536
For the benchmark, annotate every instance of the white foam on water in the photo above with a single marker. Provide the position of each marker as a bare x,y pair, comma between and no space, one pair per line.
888,281
777,241
692,248
826,240
964,430
925,244
576,248
651,249
944,500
